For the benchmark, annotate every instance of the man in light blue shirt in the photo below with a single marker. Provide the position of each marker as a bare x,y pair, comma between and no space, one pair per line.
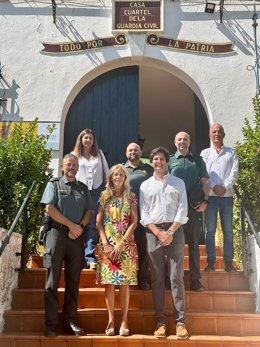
164,208
222,167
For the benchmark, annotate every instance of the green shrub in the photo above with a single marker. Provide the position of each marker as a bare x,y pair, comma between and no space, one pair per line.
23,159
248,182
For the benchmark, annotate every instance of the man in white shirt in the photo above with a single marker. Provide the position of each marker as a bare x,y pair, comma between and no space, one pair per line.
222,167
163,206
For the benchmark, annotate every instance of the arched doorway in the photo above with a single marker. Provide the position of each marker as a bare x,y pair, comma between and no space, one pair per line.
135,103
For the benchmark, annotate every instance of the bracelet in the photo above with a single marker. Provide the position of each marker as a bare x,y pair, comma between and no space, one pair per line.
83,226
206,201
124,240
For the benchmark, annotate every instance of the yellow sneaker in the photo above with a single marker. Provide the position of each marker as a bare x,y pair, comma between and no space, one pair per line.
181,331
160,330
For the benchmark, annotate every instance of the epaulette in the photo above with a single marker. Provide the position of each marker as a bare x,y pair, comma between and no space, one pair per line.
53,179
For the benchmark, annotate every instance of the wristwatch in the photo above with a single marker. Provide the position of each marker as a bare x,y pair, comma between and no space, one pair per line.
170,231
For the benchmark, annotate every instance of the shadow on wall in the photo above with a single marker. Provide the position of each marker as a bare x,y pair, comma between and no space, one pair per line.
10,108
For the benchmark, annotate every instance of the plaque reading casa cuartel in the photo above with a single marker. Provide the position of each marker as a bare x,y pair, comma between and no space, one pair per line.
137,15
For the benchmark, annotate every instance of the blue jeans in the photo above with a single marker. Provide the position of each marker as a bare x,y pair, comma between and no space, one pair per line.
91,232
223,205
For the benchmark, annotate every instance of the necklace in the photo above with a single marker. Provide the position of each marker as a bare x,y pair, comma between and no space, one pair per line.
117,195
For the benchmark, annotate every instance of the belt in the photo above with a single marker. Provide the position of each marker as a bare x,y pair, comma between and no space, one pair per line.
59,226
164,225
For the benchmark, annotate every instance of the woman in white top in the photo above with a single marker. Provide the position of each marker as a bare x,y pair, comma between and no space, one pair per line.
92,171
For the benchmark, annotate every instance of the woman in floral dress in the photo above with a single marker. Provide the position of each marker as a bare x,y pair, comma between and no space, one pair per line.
117,265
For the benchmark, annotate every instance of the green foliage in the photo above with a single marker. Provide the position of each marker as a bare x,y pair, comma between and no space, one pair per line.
249,165
249,176
23,159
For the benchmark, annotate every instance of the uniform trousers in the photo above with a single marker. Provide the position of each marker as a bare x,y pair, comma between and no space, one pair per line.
173,254
60,248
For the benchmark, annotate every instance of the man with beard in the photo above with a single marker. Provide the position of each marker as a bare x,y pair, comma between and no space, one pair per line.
138,173
163,205
69,207
192,170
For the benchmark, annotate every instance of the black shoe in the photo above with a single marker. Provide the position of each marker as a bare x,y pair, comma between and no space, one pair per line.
196,286
50,332
72,329
229,267
144,286
210,267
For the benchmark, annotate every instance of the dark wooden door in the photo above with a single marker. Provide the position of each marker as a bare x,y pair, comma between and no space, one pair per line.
109,106
201,127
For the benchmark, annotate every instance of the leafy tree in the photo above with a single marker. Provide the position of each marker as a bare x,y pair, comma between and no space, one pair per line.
23,159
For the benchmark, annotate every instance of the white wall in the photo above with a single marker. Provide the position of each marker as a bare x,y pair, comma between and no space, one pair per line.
45,85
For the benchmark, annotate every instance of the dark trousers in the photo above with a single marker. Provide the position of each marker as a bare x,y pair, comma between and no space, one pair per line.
174,254
143,274
91,233
58,248
192,230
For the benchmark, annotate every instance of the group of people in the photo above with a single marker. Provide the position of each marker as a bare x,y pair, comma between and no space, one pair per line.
136,209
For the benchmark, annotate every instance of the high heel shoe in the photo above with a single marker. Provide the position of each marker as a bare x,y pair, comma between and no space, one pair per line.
123,331
110,331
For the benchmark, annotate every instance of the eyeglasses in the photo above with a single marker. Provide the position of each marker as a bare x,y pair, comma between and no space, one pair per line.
70,165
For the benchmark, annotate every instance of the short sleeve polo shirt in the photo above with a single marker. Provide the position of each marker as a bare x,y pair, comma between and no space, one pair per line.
72,199
190,168
137,175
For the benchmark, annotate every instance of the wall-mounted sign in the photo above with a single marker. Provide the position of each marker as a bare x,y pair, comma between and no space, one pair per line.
191,46
54,139
77,46
137,15
42,129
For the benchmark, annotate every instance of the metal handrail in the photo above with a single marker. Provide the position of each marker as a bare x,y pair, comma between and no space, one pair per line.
245,215
23,209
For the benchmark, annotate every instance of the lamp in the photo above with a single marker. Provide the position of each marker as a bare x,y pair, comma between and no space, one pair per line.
210,7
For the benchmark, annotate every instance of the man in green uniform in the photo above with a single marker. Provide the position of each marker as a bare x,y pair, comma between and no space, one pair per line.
138,173
192,170
69,206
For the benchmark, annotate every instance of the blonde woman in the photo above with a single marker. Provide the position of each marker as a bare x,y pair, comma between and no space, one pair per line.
117,265
93,169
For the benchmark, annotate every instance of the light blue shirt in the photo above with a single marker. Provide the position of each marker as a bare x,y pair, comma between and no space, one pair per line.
163,201
222,168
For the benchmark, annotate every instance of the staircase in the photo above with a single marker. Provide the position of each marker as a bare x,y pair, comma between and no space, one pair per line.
221,316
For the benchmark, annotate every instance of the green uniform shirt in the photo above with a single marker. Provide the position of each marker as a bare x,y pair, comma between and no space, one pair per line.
72,199
190,169
138,175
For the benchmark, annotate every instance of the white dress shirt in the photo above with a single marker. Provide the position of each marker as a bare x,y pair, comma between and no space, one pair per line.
222,168
163,201
92,172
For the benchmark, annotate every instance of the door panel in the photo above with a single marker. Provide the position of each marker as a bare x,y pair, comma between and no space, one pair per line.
109,106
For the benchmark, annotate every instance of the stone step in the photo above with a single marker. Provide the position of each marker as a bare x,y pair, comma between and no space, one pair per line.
94,322
38,340
207,301
218,280
36,261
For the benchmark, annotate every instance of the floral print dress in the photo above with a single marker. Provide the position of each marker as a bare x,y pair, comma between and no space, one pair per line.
117,218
